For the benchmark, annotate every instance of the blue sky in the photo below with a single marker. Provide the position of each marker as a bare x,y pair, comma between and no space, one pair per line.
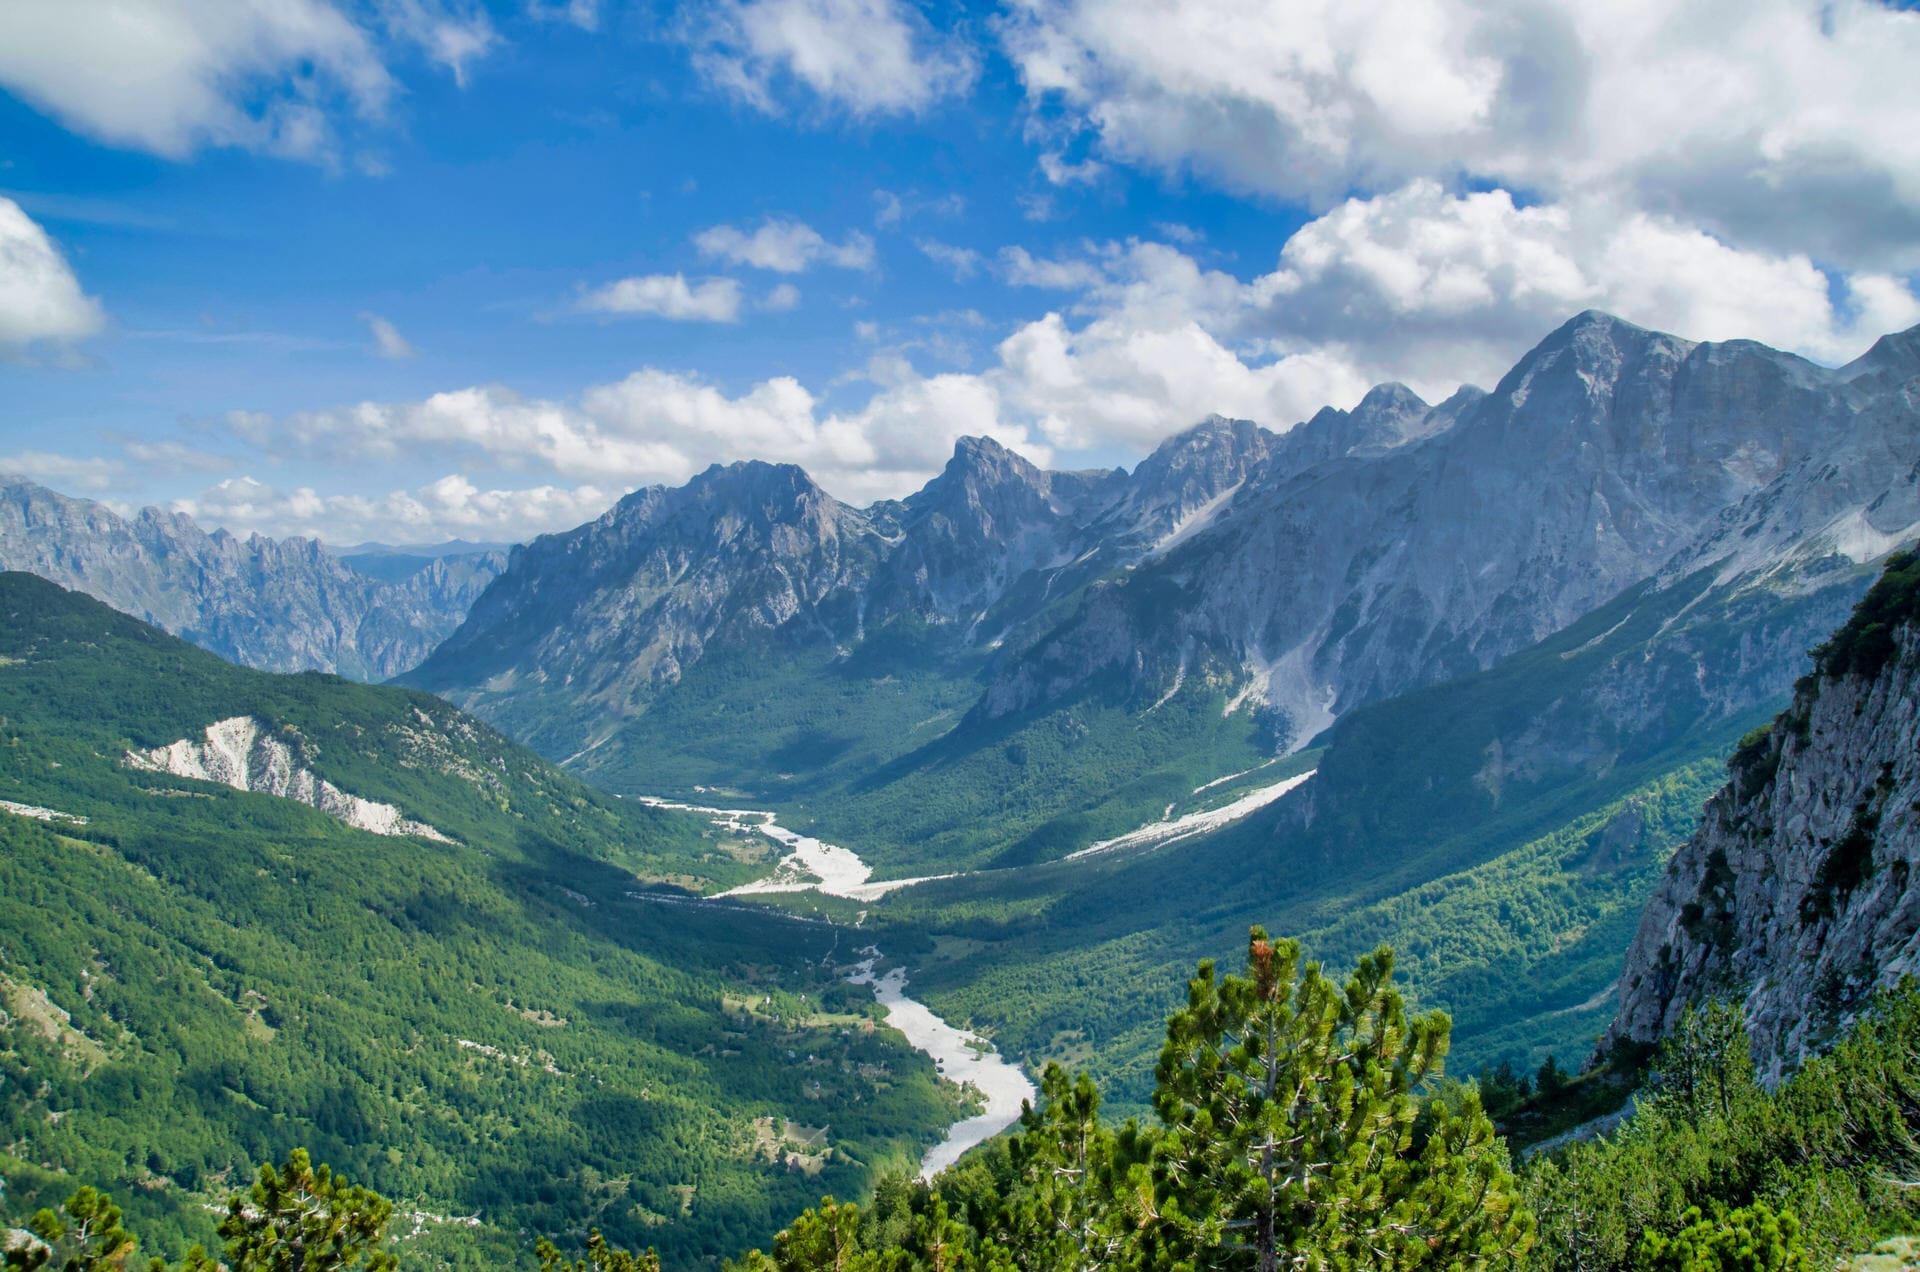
411,269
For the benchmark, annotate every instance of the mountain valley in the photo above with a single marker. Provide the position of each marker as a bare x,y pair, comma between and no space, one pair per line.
481,1004
1453,678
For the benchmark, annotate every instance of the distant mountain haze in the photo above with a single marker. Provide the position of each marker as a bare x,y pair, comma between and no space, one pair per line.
275,605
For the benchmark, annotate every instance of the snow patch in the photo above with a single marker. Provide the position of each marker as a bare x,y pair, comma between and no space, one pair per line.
241,753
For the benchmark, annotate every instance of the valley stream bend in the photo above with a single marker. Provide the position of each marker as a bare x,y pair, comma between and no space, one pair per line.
957,1055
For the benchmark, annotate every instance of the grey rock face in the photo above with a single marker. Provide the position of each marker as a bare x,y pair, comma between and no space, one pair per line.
620,605
1395,546
278,605
1793,898
1359,555
600,618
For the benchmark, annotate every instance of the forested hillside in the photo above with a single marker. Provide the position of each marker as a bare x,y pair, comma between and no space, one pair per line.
503,1028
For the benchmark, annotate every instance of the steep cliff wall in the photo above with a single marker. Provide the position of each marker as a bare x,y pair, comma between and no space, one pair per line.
1793,897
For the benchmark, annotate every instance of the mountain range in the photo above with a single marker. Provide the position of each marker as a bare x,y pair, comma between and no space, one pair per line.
1454,676
277,605
749,631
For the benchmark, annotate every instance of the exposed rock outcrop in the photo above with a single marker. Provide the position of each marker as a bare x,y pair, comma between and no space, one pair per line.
244,753
1793,897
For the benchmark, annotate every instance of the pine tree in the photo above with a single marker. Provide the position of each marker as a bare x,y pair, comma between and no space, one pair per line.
1753,1239
825,1239
303,1218
84,1235
1065,1213
601,1257
1291,1108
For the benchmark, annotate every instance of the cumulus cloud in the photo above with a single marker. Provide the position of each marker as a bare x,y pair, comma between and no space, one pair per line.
655,425
785,247
667,296
172,76
1419,285
387,338
452,507
40,299
1776,124
1441,288
866,57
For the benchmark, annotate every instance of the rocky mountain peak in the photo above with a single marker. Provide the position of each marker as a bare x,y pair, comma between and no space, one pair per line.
1214,442
1893,360
1190,471
980,471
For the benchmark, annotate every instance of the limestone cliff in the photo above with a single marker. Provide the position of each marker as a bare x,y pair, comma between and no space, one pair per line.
248,755
1793,895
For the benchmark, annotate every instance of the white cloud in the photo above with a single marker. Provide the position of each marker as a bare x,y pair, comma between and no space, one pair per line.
656,426
1419,285
1057,170
170,76
387,338
1780,125
1435,288
584,14
867,57
450,38
781,299
962,262
452,507
65,473
169,457
40,299
173,76
667,296
784,246
1021,268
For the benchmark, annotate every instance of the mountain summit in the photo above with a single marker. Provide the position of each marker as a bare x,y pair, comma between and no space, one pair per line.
1284,578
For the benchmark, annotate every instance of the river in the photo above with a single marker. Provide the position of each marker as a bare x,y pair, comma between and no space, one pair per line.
812,866
958,1056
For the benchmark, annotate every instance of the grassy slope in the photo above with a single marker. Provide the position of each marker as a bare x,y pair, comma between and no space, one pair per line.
242,974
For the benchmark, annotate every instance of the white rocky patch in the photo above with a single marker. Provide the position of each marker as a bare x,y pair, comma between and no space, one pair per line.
1162,833
242,753
40,814
1196,521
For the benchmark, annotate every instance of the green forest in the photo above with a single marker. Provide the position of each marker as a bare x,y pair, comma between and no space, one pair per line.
1300,1120
507,1032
